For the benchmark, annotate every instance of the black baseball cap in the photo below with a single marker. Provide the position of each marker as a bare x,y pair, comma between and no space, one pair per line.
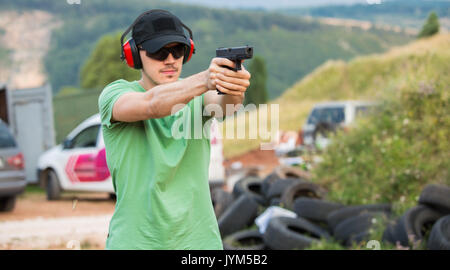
158,28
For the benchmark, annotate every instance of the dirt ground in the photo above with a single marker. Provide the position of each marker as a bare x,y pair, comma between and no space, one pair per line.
76,221
265,160
35,205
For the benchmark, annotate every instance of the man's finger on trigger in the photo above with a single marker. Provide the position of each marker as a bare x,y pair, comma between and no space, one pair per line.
225,62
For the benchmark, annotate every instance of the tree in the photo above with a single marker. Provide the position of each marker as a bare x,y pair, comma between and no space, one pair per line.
431,26
257,91
104,65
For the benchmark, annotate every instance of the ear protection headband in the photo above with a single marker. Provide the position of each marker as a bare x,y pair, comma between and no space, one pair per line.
130,51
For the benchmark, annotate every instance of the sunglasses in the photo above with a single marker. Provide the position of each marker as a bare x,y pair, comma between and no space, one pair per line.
176,51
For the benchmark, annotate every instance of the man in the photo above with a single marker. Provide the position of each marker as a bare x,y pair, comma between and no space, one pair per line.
161,182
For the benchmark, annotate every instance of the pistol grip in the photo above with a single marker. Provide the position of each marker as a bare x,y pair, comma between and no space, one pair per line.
238,66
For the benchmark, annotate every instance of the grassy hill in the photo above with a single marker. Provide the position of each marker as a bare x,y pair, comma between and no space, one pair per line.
423,63
291,46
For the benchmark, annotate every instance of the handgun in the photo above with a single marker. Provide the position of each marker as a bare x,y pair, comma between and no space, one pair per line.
235,54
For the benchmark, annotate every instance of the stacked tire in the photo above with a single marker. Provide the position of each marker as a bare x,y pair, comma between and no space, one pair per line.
317,218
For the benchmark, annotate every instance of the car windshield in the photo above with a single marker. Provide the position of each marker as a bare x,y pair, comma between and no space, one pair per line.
6,139
330,115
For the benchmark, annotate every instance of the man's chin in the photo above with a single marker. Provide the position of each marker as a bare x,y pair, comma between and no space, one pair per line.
169,79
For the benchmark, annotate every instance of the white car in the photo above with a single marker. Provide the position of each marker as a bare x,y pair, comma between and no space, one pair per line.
79,164
333,114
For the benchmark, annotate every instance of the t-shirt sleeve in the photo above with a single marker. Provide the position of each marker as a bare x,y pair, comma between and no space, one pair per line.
108,97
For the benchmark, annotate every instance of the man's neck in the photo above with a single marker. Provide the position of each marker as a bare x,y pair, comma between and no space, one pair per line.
146,82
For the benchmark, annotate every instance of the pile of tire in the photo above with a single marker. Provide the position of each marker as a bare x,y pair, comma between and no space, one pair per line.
318,218
238,210
430,217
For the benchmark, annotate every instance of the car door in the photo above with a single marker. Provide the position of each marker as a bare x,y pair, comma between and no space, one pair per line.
85,160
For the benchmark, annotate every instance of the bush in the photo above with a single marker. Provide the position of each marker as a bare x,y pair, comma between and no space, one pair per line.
391,156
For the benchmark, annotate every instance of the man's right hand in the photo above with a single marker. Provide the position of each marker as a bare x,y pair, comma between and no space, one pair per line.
226,80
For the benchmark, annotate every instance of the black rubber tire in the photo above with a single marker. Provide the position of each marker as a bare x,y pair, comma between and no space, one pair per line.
339,215
53,187
280,173
7,203
276,189
285,233
244,240
389,234
301,189
240,214
437,197
275,202
414,223
357,238
112,196
440,235
221,199
313,209
252,186
354,227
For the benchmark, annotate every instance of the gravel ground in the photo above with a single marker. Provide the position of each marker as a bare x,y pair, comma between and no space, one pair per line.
76,221
87,232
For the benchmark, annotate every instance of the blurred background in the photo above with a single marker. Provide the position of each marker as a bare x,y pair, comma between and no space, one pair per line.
363,89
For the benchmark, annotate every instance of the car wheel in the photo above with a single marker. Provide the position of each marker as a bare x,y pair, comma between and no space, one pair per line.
53,188
112,196
7,204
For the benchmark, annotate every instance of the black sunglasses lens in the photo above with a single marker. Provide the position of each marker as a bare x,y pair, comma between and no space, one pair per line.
176,51
159,55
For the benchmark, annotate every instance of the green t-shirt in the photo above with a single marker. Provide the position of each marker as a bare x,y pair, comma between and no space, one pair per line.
161,182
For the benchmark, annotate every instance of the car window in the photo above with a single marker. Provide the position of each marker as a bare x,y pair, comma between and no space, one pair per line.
330,115
86,138
6,138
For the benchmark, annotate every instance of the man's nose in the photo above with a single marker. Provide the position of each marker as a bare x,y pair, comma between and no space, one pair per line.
169,59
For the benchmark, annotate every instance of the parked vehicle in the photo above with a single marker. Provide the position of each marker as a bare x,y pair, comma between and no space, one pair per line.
12,172
79,163
326,117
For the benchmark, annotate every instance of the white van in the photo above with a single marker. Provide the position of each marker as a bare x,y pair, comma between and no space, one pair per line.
334,114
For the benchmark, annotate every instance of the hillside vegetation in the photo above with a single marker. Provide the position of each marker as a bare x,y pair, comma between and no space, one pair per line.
423,63
404,13
292,47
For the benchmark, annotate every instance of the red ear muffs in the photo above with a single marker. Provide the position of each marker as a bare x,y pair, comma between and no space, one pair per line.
189,52
131,54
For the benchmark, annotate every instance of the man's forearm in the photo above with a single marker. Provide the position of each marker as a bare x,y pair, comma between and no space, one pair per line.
165,96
